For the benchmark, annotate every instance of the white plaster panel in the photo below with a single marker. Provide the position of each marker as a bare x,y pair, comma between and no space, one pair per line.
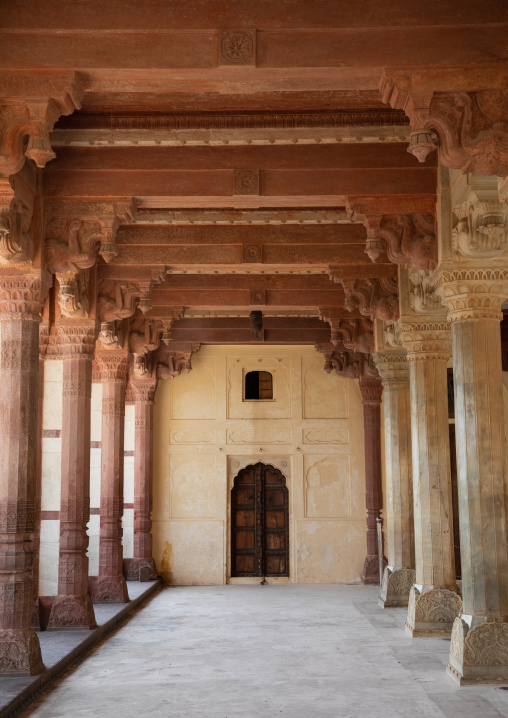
95,478
129,426
190,552
193,394
259,432
325,396
52,403
48,562
128,533
51,479
186,433
330,552
192,486
336,434
93,545
128,479
96,413
279,407
327,486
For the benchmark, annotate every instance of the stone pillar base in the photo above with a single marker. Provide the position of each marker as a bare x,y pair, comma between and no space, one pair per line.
109,589
479,654
370,573
396,586
20,653
71,612
432,613
136,563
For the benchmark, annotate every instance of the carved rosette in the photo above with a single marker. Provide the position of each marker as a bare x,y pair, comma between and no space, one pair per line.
480,654
473,293
396,587
432,612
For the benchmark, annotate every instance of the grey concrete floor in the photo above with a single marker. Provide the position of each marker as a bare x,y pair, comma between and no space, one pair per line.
305,651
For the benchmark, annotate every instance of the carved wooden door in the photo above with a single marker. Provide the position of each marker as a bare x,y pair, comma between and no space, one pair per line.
259,523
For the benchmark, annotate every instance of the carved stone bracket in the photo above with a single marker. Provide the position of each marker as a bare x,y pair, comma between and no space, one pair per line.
175,359
119,300
408,239
78,251
374,298
343,362
16,248
30,107
73,294
355,334
472,127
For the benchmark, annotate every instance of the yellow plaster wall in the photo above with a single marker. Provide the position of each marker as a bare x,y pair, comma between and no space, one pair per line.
204,433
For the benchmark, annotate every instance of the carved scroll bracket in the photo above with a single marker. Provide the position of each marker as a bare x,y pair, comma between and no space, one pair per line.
30,107
355,334
343,362
175,359
16,248
374,298
119,300
471,127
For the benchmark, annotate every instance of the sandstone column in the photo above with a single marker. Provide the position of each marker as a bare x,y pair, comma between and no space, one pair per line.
399,575
72,608
372,390
20,304
433,600
143,392
110,586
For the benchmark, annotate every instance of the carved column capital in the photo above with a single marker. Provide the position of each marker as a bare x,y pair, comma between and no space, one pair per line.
112,365
426,339
472,293
371,389
393,368
76,338
143,392
21,296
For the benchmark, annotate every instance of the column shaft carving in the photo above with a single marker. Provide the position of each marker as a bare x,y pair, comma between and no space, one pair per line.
433,601
72,608
399,575
143,462
372,390
20,303
110,586
473,296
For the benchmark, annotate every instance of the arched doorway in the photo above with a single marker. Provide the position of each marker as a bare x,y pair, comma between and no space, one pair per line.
259,523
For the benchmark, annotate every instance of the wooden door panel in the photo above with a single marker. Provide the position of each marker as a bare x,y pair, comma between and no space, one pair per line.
259,523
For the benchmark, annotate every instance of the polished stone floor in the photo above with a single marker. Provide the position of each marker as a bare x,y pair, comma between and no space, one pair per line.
304,651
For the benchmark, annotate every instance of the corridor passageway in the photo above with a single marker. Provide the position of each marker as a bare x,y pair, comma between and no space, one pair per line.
250,651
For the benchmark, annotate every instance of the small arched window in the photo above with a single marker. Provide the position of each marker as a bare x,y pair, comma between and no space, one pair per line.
258,386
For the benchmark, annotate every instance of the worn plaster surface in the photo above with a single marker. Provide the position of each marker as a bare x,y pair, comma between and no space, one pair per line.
303,651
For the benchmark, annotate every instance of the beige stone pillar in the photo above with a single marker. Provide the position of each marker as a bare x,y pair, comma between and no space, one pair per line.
143,392
110,586
399,575
434,602
479,648
20,304
72,608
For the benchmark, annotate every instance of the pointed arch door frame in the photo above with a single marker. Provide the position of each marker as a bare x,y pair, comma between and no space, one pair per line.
279,465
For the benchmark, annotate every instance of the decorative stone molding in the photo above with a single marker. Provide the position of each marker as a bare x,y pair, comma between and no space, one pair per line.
374,298
75,338
480,654
472,293
472,126
433,612
396,587
426,339
30,109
